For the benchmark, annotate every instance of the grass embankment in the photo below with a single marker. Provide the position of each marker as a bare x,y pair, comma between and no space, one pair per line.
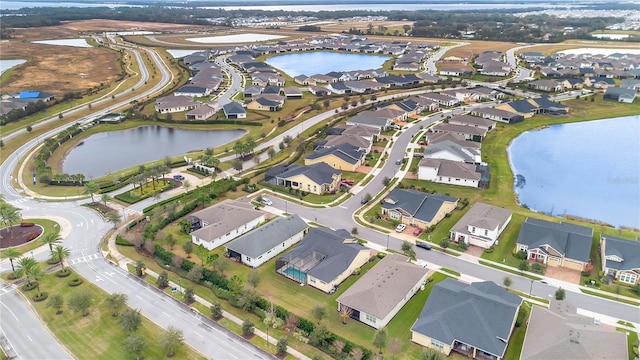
97,335
612,297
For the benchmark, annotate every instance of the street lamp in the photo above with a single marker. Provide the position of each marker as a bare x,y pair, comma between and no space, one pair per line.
180,284
32,255
530,288
387,241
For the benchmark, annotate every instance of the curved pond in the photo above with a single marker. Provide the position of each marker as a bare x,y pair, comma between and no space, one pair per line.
589,169
104,153
323,62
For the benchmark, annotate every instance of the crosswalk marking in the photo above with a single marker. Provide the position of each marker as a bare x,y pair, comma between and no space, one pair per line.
84,258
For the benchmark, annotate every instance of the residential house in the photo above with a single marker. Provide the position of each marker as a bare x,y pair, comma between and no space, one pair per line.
370,119
317,179
475,320
559,333
193,91
304,80
441,99
173,104
499,115
359,142
264,104
319,91
449,172
344,157
267,241
366,132
416,208
547,85
622,95
339,88
234,110
621,258
452,147
382,292
556,244
469,132
473,121
224,221
481,226
292,92
203,112
252,90
324,258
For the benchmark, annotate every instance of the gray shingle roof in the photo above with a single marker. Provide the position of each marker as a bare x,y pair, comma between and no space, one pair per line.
224,217
421,206
573,241
381,289
627,250
480,315
331,244
347,152
265,237
483,216
320,173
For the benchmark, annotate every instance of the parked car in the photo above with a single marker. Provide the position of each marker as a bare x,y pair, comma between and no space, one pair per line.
400,228
424,245
417,232
363,201
178,177
399,162
266,201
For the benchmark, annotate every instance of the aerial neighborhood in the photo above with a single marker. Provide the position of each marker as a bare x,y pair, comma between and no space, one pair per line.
218,204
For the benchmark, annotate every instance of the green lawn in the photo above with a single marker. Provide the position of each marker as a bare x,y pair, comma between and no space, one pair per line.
98,335
503,252
514,348
632,341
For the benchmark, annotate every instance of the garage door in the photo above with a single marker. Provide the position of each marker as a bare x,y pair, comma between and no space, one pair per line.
572,264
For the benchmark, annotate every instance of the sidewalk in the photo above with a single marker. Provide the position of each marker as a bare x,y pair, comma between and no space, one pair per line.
122,262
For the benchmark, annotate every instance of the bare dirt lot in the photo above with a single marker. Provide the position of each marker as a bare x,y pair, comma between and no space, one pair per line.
61,69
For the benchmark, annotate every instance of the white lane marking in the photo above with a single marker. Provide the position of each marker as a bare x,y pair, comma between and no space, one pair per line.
14,315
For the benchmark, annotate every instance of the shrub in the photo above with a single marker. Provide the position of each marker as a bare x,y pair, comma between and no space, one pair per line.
560,294
75,282
247,328
40,297
585,273
63,272
122,242
522,314
30,286
381,255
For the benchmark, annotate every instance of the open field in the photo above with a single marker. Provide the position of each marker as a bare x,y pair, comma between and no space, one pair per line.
475,47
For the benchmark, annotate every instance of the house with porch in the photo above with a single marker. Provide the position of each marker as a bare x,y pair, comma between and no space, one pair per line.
475,320
223,222
621,258
382,292
416,208
267,241
317,179
556,244
481,226
323,259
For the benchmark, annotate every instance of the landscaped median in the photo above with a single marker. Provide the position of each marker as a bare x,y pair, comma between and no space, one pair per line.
98,334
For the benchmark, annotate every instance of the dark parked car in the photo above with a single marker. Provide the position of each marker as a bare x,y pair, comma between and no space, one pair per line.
178,177
424,245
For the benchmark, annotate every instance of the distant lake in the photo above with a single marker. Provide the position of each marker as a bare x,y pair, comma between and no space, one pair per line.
589,169
109,152
322,62
8,64
65,42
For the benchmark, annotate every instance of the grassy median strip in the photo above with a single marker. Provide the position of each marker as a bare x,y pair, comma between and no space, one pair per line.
97,335
594,293
509,270
452,272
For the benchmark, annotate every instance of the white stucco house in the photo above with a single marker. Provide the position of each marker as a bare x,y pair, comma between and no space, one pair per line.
267,241
223,222
481,225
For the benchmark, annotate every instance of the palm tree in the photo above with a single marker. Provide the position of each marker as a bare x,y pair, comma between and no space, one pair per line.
91,188
24,264
113,217
60,252
34,274
9,215
105,198
51,239
11,254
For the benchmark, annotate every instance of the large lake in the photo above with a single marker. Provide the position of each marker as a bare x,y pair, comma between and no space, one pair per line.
108,152
322,62
8,64
588,169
